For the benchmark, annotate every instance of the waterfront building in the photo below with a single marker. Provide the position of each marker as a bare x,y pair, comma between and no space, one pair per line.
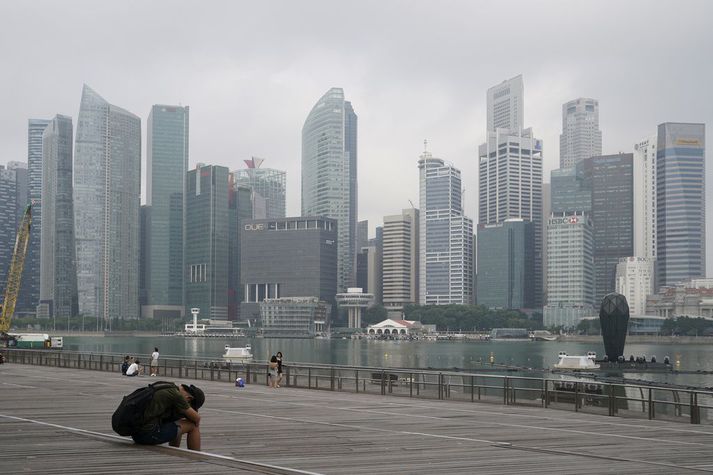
581,137
294,317
287,257
400,261
13,199
446,236
570,269
397,327
29,295
107,193
680,202
207,241
611,180
354,300
645,230
166,167
329,174
269,183
505,264
693,298
510,187
635,281
506,105
58,271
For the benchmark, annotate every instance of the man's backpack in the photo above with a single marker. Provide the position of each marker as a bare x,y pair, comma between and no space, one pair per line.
128,417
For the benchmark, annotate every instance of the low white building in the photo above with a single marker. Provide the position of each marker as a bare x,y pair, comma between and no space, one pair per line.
394,327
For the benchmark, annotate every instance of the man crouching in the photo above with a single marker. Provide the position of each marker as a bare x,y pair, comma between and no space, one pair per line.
172,412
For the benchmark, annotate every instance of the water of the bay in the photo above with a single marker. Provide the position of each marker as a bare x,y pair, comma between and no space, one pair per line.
465,355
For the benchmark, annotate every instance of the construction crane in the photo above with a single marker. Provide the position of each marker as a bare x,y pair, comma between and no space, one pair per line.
14,275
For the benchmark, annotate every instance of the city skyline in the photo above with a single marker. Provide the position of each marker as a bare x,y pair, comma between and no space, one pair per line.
251,102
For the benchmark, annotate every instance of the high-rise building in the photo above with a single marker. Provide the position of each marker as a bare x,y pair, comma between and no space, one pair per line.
635,281
510,179
13,199
107,193
400,261
645,199
610,178
207,241
166,167
329,174
287,257
570,269
570,191
505,264
29,295
506,105
581,137
680,202
446,235
362,234
58,271
269,183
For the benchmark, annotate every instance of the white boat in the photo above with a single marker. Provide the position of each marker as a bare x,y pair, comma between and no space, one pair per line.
238,354
542,335
587,362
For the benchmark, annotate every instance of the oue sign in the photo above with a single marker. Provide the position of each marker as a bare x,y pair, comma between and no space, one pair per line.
254,227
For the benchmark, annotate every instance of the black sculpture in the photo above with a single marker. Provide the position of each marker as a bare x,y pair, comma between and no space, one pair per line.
614,320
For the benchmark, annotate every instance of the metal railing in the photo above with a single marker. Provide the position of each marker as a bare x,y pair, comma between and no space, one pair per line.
613,399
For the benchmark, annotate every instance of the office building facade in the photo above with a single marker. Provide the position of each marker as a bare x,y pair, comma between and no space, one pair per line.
329,174
13,199
570,269
269,183
287,257
400,260
645,229
505,264
635,281
510,187
506,105
446,236
166,168
581,137
107,194
680,201
58,271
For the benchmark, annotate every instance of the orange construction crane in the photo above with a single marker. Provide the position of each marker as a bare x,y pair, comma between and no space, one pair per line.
14,276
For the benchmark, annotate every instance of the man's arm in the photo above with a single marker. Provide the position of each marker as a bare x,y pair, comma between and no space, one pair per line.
193,416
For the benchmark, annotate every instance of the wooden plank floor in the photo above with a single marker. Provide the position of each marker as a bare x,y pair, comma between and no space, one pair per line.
55,420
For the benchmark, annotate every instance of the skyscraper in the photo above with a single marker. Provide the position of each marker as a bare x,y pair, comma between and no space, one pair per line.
400,260
680,202
107,191
506,105
446,236
269,183
329,174
581,137
58,271
645,198
30,288
610,178
207,258
13,199
166,168
510,179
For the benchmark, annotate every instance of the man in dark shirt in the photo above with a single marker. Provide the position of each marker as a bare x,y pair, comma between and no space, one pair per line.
172,412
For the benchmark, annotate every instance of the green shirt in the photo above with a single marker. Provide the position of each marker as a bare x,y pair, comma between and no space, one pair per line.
167,405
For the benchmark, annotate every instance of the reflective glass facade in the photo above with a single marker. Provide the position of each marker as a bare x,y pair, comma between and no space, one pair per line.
13,198
58,271
269,183
329,174
107,191
680,199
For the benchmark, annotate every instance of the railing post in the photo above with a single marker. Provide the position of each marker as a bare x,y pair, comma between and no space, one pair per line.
356,379
651,405
383,383
546,392
612,401
180,368
576,396
440,385
309,378
695,410
331,378
472,389
505,390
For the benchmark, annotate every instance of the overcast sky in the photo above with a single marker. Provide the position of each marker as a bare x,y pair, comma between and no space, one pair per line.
251,71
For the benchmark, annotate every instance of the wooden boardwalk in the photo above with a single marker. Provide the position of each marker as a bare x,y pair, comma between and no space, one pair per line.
56,420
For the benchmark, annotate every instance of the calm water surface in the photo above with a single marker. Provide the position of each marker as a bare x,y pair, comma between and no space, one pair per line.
407,354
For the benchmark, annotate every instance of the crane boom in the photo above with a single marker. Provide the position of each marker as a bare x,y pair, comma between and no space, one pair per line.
14,275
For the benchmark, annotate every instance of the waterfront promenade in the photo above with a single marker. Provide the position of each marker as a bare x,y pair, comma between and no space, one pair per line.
57,420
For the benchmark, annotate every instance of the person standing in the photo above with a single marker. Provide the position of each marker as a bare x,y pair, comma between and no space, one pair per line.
279,368
154,362
272,372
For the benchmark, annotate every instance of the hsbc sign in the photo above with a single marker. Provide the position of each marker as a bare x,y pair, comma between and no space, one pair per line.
567,220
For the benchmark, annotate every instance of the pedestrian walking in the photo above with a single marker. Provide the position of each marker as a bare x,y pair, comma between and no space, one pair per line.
279,368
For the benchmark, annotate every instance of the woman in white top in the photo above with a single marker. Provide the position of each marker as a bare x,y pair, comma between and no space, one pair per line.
154,362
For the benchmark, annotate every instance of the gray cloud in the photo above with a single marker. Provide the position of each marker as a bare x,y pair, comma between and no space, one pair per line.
413,70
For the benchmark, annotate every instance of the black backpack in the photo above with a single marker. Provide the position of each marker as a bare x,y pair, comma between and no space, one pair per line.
128,417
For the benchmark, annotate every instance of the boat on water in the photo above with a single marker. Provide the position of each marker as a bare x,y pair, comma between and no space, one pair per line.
509,334
235,354
542,335
578,362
